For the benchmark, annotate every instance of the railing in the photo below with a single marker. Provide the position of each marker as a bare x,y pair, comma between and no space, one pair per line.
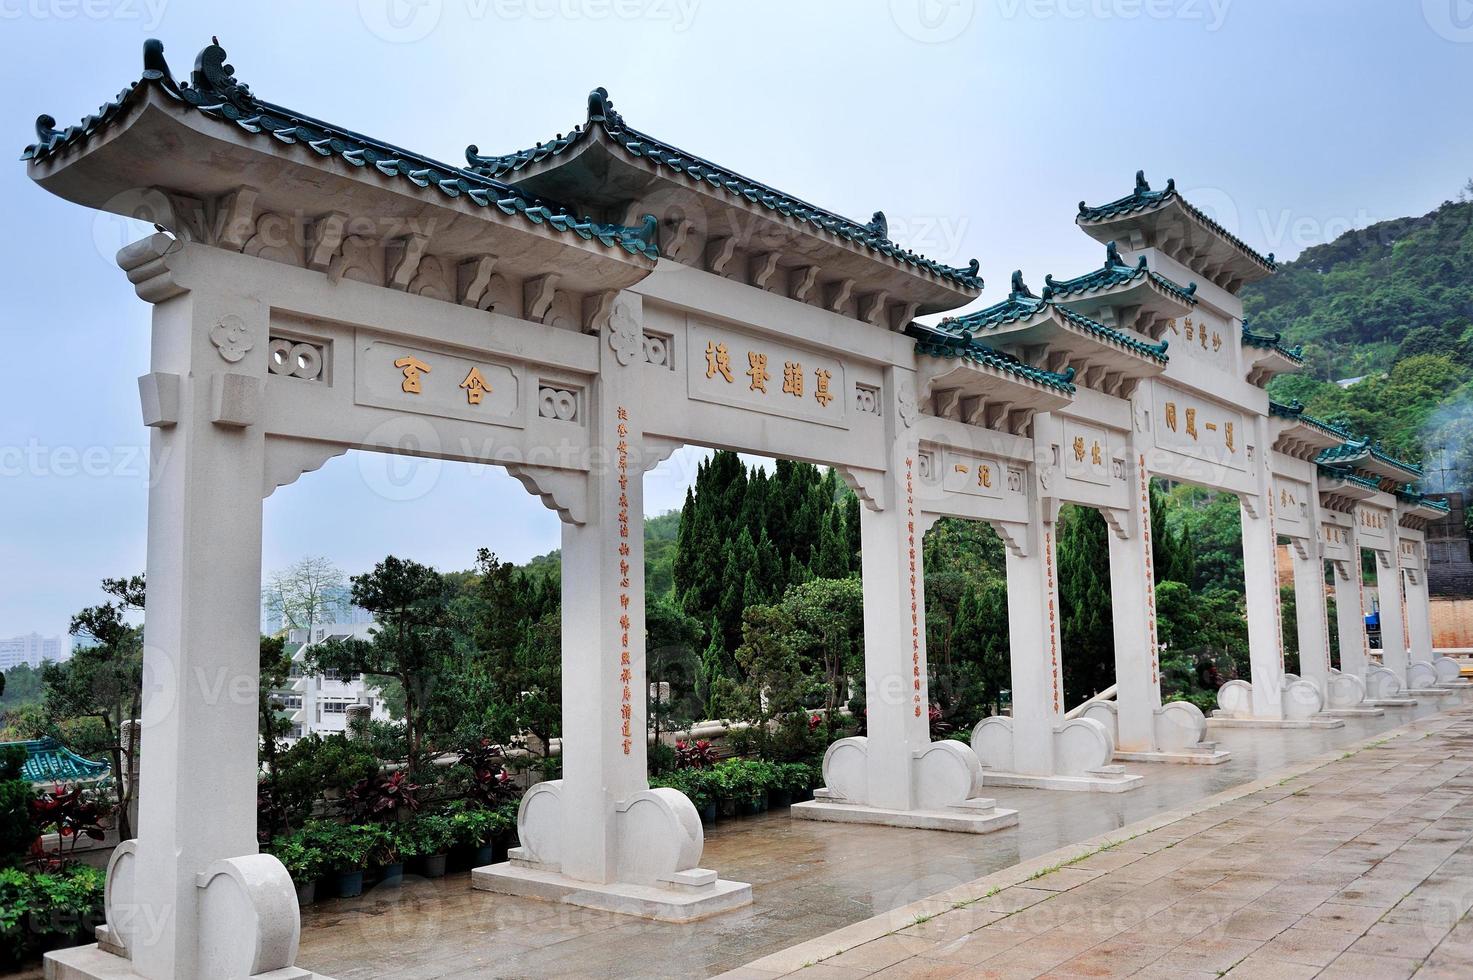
1108,694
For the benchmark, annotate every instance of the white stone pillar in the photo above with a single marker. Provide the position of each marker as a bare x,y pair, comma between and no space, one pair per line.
1350,611
1393,622
201,657
1133,605
1418,609
1033,643
897,699
604,744
1311,614
1261,589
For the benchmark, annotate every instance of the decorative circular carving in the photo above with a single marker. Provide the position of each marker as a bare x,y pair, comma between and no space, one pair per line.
905,405
656,350
555,403
626,339
232,338
291,359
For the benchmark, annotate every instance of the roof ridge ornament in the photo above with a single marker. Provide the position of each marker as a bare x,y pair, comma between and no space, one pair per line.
213,75
1141,187
601,109
1020,288
878,226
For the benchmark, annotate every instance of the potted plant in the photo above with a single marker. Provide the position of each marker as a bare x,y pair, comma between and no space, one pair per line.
348,852
388,850
475,830
302,861
433,837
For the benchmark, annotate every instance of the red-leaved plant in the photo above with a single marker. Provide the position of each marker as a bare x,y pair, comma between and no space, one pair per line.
67,812
694,755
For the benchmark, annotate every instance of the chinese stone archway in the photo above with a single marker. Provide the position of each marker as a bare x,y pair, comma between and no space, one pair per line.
315,290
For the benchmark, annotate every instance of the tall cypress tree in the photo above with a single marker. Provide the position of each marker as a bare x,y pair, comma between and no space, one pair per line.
1086,626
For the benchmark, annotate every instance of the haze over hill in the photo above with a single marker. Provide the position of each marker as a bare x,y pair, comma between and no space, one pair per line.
1392,305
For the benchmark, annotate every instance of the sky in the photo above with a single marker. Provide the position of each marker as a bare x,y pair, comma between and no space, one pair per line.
976,125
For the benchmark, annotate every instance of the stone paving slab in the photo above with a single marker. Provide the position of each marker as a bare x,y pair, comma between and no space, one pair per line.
1354,864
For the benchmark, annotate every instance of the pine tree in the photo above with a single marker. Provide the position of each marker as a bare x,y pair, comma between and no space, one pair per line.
1086,626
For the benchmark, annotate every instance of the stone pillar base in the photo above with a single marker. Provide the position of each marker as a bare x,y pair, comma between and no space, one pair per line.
1202,754
1365,710
975,816
1106,779
685,897
91,963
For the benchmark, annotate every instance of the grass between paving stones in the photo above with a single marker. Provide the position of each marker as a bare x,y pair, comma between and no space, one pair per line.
921,919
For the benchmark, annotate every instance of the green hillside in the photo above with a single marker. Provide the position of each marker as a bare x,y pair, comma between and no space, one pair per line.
1391,304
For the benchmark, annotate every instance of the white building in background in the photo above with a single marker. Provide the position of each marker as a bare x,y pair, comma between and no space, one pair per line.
32,649
319,702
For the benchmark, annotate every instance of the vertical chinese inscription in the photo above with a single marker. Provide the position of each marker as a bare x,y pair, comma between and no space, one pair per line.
1150,569
626,662
1053,614
1273,549
915,605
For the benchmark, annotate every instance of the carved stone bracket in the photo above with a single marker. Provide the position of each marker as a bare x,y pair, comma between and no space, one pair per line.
868,485
473,279
1342,570
1119,521
1014,537
405,255
537,296
146,263
287,459
657,449
564,492
326,239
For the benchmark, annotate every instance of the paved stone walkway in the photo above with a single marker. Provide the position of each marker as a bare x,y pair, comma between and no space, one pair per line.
1360,866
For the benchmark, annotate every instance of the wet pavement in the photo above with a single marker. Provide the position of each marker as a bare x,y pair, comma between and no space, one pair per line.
1352,867
808,879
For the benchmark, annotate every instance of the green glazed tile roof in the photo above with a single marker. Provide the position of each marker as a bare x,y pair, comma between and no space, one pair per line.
1022,304
48,761
1270,341
1352,450
1349,477
873,235
1412,495
1295,410
1114,273
1145,199
934,343
214,91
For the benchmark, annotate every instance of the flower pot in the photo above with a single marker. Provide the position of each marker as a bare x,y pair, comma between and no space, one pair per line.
434,865
779,798
708,813
727,808
485,854
306,893
392,875
350,883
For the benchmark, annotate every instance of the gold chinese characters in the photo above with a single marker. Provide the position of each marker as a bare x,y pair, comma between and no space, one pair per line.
475,385
794,380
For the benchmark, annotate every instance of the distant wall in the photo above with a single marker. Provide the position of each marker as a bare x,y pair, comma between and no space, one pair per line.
1452,624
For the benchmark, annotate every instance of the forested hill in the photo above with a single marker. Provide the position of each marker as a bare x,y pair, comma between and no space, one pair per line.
1391,303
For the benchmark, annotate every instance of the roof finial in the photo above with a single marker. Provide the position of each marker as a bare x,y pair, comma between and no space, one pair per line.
1112,255
1020,289
1141,187
878,226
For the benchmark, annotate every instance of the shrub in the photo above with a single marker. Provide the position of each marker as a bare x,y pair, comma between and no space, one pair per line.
304,861
431,833
17,829
49,910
